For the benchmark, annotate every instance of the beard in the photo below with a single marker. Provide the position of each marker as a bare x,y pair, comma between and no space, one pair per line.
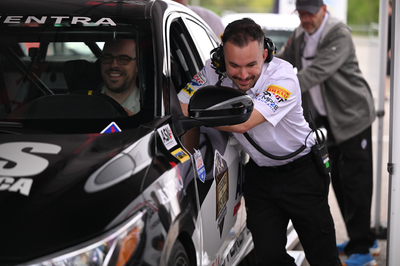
116,86
248,86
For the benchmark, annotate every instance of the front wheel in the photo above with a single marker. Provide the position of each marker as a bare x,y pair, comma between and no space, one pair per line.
178,255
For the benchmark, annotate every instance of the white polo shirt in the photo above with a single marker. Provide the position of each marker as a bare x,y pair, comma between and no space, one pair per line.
132,103
277,97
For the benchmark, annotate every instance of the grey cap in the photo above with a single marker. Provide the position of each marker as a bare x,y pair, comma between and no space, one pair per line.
311,6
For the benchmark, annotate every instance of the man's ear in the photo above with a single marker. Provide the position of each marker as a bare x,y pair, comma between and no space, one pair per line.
265,54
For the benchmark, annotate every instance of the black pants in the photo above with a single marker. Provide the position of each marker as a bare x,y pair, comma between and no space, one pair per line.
296,192
352,181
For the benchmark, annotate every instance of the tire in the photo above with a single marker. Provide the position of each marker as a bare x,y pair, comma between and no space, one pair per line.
178,255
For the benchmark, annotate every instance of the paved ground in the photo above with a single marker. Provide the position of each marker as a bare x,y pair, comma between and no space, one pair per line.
367,55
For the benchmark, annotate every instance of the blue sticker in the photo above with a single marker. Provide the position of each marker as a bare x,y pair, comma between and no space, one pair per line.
111,128
201,171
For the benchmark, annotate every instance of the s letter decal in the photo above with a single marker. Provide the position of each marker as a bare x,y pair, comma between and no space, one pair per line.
25,162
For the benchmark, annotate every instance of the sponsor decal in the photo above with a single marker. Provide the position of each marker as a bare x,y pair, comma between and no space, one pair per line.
22,185
165,194
222,189
236,209
19,159
167,136
201,171
267,99
280,93
111,128
237,246
181,155
189,90
58,20
273,96
199,79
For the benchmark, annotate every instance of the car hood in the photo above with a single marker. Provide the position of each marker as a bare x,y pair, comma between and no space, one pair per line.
60,190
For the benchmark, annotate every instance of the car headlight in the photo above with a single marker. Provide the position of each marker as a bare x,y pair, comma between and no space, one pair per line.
115,249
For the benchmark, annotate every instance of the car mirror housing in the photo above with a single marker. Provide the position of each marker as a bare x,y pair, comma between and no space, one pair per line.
220,106
215,106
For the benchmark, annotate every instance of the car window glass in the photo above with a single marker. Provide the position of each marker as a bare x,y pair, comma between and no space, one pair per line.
185,60
43,67
202,38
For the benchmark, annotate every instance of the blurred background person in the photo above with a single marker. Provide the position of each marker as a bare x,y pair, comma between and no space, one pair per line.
334,89
212,19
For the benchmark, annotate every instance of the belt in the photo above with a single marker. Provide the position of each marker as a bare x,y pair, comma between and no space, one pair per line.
299,162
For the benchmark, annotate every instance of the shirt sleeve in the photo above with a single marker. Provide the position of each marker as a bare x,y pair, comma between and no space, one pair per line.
278,95
206,76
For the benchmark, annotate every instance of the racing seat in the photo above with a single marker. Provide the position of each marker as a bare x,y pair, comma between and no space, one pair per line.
82,75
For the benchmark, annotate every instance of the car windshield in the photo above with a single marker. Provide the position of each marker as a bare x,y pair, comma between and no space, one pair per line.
50,71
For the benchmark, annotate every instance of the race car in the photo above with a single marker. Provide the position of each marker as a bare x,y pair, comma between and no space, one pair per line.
84,183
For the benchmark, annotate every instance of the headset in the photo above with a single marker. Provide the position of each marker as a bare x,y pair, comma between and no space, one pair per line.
217,54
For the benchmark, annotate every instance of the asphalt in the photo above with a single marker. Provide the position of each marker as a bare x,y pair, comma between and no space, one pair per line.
367,52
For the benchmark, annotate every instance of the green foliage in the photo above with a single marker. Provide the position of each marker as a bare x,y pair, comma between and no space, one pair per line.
359,12
256,6
362,12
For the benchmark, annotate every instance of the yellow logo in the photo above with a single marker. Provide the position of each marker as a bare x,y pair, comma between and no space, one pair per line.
189,90
181,155
277,90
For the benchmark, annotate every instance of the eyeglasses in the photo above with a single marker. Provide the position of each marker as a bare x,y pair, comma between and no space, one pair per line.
121,59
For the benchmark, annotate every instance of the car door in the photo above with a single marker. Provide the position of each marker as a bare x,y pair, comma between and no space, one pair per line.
219,237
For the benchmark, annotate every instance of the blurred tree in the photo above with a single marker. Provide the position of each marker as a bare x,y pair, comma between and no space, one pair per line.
256,6
362,12
359,12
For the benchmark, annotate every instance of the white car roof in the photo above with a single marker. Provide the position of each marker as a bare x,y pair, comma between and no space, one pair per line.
268,21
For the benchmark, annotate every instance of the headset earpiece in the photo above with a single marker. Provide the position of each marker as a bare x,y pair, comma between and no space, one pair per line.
218,60
270,46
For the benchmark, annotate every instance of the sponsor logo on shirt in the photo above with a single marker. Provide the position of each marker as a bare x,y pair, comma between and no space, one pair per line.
199,79
267,99
280,93
189,90
274,95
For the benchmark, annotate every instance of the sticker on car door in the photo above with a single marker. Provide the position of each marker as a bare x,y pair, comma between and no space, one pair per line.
222,189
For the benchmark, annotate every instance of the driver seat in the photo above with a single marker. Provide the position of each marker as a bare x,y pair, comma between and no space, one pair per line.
82,75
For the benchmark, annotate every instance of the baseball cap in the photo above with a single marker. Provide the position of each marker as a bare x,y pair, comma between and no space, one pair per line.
311,6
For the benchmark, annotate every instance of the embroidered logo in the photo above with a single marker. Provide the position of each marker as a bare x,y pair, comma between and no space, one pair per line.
199,79
280,93
189,90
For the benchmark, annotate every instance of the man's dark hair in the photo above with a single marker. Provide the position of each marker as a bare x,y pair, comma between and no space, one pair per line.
243,31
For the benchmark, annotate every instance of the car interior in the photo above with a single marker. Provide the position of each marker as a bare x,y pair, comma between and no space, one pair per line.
55,74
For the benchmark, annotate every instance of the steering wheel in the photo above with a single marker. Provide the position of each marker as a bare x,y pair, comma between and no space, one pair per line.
113,102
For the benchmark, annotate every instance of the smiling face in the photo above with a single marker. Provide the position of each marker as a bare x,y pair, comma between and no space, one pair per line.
244,64
119,78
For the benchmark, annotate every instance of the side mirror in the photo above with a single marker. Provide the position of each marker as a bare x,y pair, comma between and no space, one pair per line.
215,106
220,106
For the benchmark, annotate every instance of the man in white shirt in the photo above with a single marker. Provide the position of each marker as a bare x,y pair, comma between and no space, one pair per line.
285,185
119,71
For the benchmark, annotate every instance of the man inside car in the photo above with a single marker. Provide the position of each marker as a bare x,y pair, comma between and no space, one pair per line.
119,71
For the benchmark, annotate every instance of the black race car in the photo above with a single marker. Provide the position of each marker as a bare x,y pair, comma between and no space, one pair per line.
84,183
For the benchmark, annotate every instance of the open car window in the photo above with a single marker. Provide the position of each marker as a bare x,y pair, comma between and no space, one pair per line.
49,68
